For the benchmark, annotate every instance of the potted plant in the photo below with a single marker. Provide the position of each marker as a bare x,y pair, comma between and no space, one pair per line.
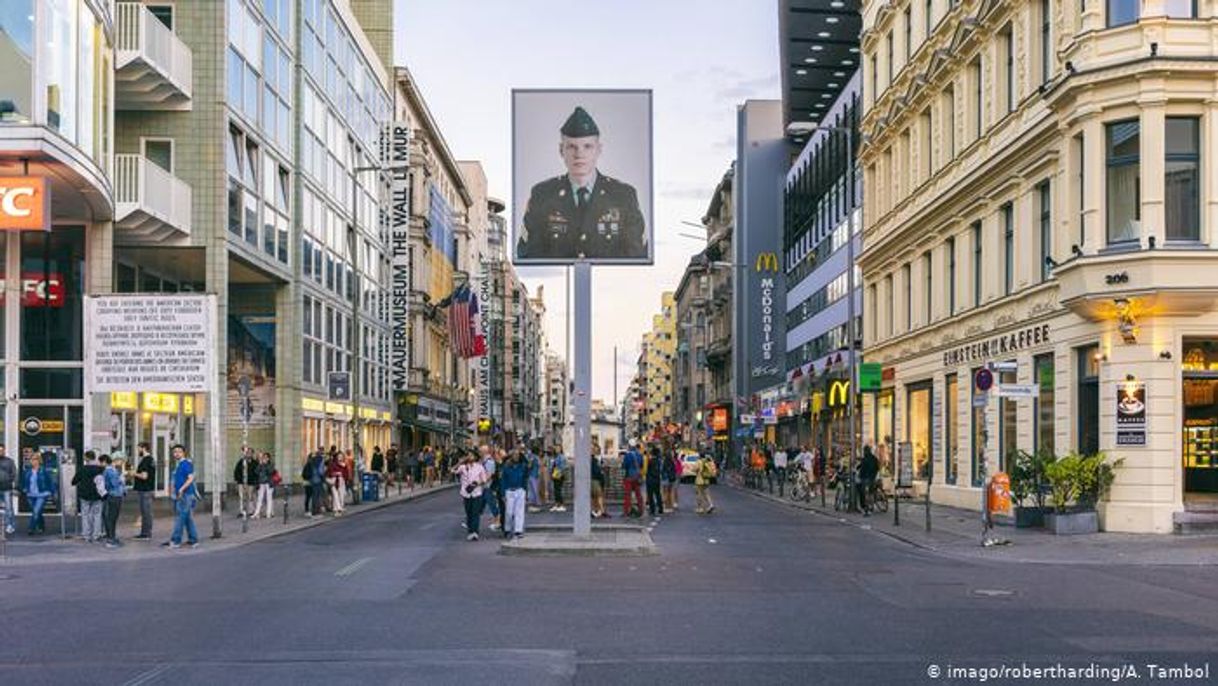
1077,483
1029,483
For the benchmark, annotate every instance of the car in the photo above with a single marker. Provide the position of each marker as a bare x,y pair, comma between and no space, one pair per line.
689,463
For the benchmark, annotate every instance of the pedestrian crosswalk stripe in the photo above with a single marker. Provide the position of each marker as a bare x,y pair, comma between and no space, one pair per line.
353,567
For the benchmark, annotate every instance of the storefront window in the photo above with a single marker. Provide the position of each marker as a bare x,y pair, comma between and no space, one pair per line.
1123,11
1088,399
52,275
883,419
1200,416
919,429
1045,410
17,37
1008,424
951,426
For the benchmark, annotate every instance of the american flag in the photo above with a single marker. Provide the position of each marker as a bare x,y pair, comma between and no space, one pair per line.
463,322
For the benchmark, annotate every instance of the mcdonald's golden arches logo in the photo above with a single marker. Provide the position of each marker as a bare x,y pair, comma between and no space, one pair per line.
839,393
766,261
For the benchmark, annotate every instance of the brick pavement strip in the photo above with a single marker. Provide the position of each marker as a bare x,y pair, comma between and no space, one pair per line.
21,551
957,533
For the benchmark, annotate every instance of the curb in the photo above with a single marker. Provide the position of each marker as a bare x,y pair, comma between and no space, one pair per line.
220,544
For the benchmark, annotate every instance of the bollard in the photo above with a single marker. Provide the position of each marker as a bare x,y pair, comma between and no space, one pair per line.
287,493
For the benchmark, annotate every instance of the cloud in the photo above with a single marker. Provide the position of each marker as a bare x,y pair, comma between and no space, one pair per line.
743,89
691,192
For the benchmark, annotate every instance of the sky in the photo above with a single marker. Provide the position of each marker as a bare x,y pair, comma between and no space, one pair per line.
701,58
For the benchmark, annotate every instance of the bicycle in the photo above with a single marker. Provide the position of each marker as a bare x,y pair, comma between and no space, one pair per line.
877,497
801,486
842,483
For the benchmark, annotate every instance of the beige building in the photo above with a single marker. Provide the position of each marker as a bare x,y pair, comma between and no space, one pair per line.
1037,194
660,345
432,410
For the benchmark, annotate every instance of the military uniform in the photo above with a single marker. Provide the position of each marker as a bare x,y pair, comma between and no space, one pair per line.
610,224
559,224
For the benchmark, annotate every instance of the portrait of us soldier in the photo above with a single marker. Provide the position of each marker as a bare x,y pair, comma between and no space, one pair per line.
585,211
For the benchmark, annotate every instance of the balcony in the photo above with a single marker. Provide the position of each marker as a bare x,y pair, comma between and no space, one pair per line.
151,205
153,67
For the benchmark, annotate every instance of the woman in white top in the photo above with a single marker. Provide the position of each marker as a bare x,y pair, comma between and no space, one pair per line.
473,478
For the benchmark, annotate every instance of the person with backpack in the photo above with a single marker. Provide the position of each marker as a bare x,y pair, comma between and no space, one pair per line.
632,472
704,473
8,478
653,473
91,489
670,472
112,505
185,494
558,476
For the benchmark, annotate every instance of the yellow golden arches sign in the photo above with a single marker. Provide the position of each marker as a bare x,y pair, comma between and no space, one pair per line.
839,393
766,261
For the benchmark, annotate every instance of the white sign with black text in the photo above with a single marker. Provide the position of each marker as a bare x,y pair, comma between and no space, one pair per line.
398,155
151,342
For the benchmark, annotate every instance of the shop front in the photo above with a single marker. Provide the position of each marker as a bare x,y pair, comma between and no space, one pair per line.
1199,371
162,420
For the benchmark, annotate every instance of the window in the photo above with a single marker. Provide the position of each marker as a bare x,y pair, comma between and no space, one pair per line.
1124,181
1045,412
928,286
1045,200
1008,249
930,17
891,71
1008,423
160,153
908,32
978,98
1183,182
926,153
1088,411
1046,40
951,276
977,263
1079,152
949,120
163,13
870,309
1180,9
51,309
891,297
907,283
951,428
17,91
1123,12
1007,37
875,80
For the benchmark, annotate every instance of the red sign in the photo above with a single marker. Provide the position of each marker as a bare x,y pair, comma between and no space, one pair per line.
719,419
40,290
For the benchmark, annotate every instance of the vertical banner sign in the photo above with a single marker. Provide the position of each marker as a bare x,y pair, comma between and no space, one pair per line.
483,375
1131,413
398,153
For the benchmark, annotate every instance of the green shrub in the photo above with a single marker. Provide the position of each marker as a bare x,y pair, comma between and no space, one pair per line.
1081,480
1028,478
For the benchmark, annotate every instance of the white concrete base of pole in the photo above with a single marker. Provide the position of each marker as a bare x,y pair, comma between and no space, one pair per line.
583,400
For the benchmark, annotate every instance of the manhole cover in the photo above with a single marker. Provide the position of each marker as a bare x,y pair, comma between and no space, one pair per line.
993,592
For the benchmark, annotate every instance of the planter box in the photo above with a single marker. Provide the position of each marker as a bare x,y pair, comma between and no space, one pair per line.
1029,517
1072,523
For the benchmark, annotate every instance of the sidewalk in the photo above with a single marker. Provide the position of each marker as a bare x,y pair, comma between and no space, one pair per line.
51,548
957,533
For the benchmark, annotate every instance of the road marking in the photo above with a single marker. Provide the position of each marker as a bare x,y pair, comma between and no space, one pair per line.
711,540
148,676
427,526
353,567
993,592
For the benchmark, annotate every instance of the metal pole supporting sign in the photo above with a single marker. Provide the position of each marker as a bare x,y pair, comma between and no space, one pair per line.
583,398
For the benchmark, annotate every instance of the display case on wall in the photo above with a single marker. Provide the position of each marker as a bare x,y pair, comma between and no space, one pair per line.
1201,455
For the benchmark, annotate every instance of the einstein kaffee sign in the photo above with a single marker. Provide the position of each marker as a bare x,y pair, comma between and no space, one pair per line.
150,342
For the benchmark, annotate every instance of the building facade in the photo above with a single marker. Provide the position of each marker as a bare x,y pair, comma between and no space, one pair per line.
720,407
556,400
1043,200
661,348
689,372
432,409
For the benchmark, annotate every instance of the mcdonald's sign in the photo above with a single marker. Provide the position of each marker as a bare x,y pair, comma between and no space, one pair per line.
839,394
766,261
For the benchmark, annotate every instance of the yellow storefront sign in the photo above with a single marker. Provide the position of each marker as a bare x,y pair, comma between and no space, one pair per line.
386,417
188,404
124,400
164,403
367,413
312,405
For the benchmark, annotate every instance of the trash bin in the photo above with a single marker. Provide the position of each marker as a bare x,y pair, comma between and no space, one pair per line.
372,490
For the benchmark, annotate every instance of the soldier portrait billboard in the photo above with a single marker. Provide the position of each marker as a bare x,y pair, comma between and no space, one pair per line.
582,176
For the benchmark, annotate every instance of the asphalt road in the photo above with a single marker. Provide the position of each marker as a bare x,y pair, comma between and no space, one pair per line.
756,594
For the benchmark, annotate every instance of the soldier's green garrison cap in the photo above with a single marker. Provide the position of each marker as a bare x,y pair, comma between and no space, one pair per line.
580,125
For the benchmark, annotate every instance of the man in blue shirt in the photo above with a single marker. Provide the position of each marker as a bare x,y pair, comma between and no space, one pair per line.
533,463
38,487
184,497
558,475
632,472
513,480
